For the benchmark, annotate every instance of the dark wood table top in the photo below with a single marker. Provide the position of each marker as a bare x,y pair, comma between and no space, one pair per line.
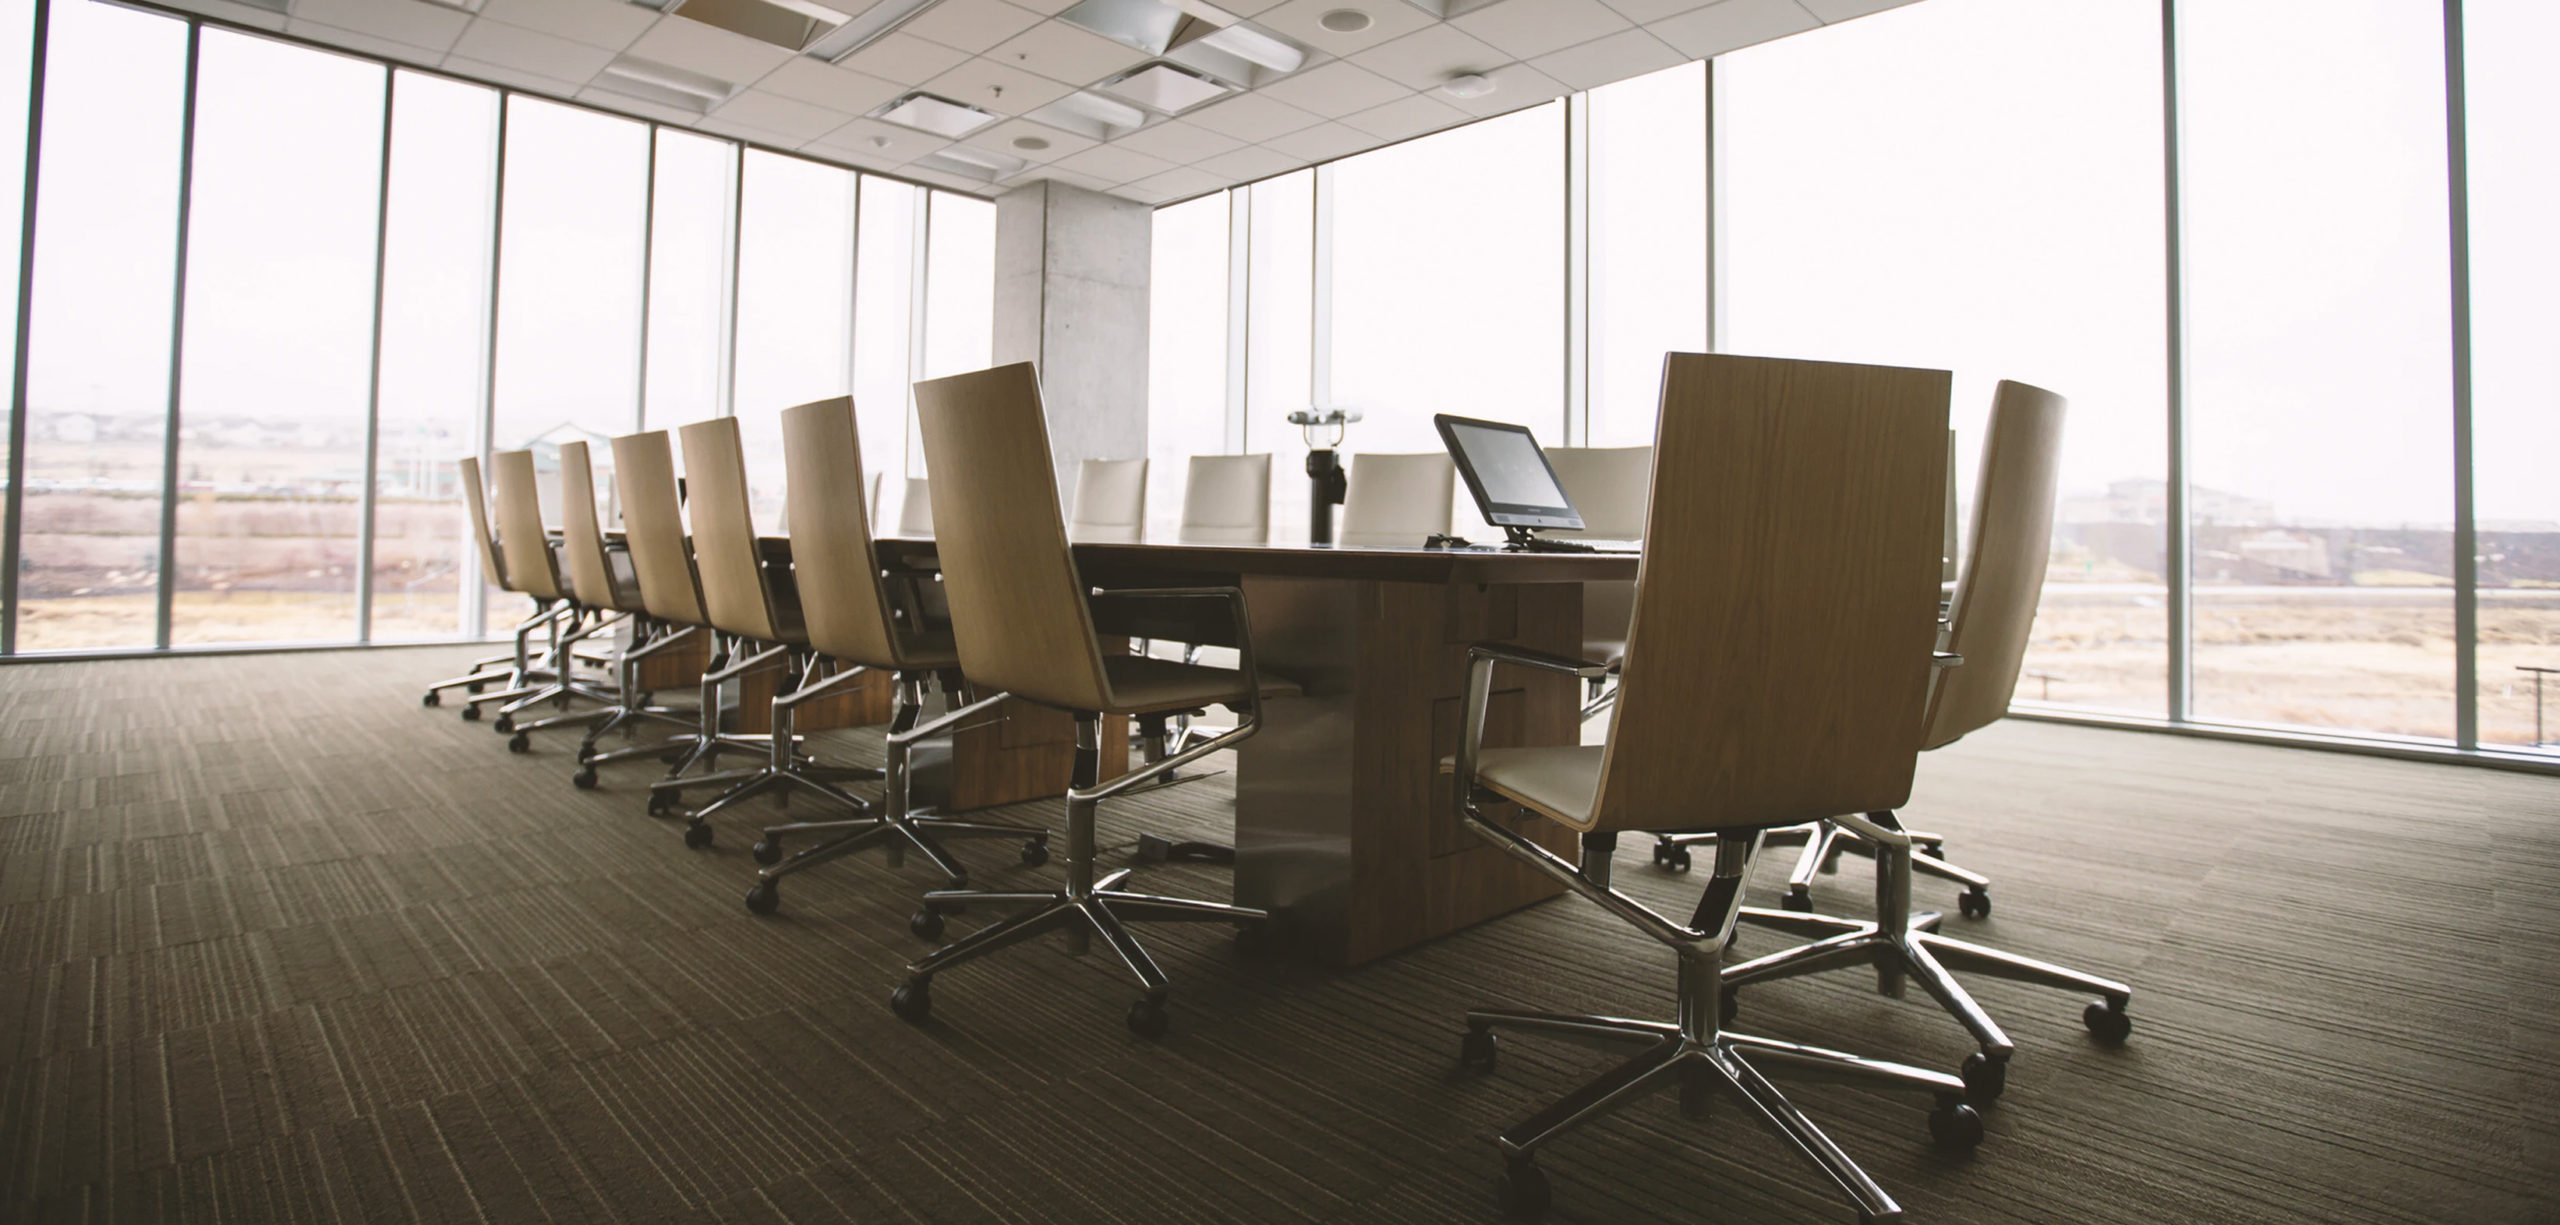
1303,561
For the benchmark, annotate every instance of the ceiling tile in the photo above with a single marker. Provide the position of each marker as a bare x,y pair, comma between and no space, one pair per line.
970,25
238,14
1724,26
714,125
1252,118
1323,142
1051,8
601,23
883,144
1408,117
408,21
1062,52
1424,59
1334,90
978,188
819,83
1646,12
531,51
1184,181
1302,20
1627,53
1514,87
501,74
775,113
1178,142
1843,10
996,87
1526,28
1251,162
1068,177
905,59
365,44
1113,165
1000,139
716,53
1247,8
629,105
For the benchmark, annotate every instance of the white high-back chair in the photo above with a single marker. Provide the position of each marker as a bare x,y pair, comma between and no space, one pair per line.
1612,487
1111,502
1226,499
1398,501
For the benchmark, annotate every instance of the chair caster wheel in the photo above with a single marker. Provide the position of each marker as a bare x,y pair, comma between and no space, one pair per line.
1478,1052
504,724
474,687
521,742
1799,901
585,778
1934,850
1148,1019
913,1000
1974,904
1153,849
764,898
586,751
470,714
697,836
1955,1127
662,803
768,852
432,700
1985,1078
1035,852
2106,1019
1671,857
926,924
1522,1190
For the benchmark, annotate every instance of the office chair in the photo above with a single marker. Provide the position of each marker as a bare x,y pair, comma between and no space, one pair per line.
1609,485
754,628
516,670
592,570
1024,621
1111,502
525,553
861,618
1398,501
1226,499
1777,668
1995,606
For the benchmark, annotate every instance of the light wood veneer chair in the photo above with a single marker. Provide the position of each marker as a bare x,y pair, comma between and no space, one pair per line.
1398,501
516,670
1777,668
1995,607
860,618
1024,620
1609,486
753,628
526,557
592,569
1111,502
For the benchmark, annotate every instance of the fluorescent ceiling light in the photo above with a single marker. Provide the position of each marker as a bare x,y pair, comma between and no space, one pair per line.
1248,43
940,116
1163,87
468,6
1144,24
865,28
1090,115
984,159
665,84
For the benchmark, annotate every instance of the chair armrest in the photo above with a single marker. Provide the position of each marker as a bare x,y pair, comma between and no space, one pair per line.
1102,598
1528,658
1480,661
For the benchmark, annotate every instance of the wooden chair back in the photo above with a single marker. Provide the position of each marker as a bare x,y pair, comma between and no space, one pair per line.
474,501
1017,605
1398,501
522,544
724,531
841,601
1226,499
644,473
1111,501
1786,607
2003,574
581,537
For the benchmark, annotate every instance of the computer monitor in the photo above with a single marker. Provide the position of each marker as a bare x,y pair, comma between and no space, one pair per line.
1508,473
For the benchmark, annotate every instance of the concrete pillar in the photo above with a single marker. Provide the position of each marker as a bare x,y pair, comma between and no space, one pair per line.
1071,297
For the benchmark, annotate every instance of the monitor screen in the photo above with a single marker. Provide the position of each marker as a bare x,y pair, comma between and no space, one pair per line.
1508,473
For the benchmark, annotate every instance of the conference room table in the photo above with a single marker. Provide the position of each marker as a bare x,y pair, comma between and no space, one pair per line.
1345,826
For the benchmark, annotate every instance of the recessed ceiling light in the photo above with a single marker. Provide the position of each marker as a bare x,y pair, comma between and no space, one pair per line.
1165,88
1344,21
940,116
1468,85
1033,143
666,84
1252,44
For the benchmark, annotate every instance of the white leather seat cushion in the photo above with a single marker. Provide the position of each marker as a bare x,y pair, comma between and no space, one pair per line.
1561,781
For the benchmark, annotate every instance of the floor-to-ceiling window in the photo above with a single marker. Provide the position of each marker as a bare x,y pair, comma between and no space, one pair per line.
959,292
1186,351
2513,122
691,238
884,319
17,48
101,315
1279,352
1647,245
276,369
795,306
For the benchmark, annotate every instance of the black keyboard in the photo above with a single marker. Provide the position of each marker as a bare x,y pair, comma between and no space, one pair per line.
1540,544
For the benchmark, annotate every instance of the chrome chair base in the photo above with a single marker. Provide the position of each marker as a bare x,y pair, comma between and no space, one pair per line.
1085,907
785,768
1824,843
1903,947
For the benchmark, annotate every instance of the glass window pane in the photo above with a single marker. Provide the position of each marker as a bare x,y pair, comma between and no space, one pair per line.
959,291
1279,299
795,291
16,44
98,356
2319,371
1186,351
435,352
884,285
2018,241
276,380
2513,110
1648,243
688,277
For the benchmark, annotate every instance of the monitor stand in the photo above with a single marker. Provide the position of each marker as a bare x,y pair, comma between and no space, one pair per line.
1522,540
